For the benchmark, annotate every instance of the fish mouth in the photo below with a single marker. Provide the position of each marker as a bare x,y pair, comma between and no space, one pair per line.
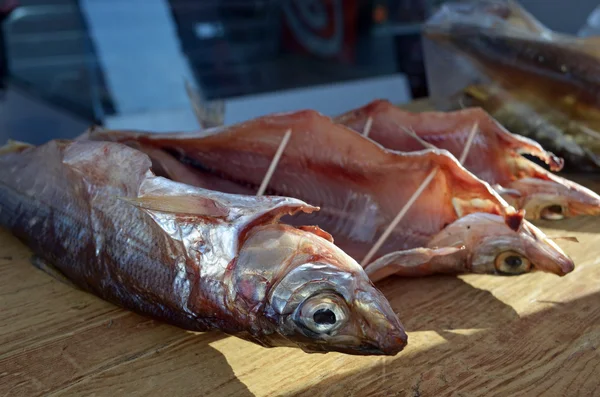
396,343
393,345
370,349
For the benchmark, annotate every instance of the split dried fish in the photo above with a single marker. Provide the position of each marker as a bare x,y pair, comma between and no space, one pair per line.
496,155
97,216
458,224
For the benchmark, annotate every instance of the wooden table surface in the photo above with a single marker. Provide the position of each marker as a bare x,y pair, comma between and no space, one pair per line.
471,335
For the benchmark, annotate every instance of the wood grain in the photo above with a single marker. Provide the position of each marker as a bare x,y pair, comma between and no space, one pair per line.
471,335
468,335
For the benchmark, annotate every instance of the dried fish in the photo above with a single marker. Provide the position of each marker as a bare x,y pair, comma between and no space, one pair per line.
198,259
361,187
536,82
526,113
496,155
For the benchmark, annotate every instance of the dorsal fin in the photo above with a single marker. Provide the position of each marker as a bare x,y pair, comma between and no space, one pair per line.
514,220
189,205
318,231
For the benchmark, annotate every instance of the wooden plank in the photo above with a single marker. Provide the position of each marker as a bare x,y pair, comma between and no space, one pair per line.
473,334
190,367
83,352
36,307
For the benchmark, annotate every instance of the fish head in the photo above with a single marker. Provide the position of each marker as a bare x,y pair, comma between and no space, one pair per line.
497,245
318,297
553,199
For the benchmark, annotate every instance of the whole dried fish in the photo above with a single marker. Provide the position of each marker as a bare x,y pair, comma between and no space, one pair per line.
534,81
495,155
360,188
194,258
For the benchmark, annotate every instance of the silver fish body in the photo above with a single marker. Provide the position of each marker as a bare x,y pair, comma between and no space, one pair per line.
195,258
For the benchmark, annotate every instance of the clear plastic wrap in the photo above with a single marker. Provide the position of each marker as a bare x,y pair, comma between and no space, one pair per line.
536,82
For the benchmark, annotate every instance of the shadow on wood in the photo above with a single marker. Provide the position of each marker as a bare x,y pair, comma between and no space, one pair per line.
552,352
128,353
444,302
58,340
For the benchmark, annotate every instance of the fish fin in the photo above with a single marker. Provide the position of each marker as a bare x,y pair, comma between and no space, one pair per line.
465,207
318,231
13,146
189,205
514,220
180,197
171,203
52,271
406,263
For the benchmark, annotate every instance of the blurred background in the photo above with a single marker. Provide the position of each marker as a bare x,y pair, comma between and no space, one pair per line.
67,64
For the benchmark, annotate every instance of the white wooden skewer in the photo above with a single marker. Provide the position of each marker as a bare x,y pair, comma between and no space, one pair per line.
399,217
368,125
274,162
414,135
465,152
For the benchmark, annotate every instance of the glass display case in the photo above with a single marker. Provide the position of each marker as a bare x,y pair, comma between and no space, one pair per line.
104,60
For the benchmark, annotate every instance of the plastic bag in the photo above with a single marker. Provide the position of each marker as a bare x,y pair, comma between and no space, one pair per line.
536,82
592,24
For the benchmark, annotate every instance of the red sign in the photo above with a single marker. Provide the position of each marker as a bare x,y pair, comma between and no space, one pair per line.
323,28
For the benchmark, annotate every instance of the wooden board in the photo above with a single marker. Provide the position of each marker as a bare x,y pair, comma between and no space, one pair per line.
471,335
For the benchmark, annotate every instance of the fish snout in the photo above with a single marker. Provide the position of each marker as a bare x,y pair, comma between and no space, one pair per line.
381,328
562,266
578,199
551,259
394,342
585,202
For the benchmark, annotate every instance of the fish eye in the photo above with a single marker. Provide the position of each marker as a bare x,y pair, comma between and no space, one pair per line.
322,314
512,263
553,212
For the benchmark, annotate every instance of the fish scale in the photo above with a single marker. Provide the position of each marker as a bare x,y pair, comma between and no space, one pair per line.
97,217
